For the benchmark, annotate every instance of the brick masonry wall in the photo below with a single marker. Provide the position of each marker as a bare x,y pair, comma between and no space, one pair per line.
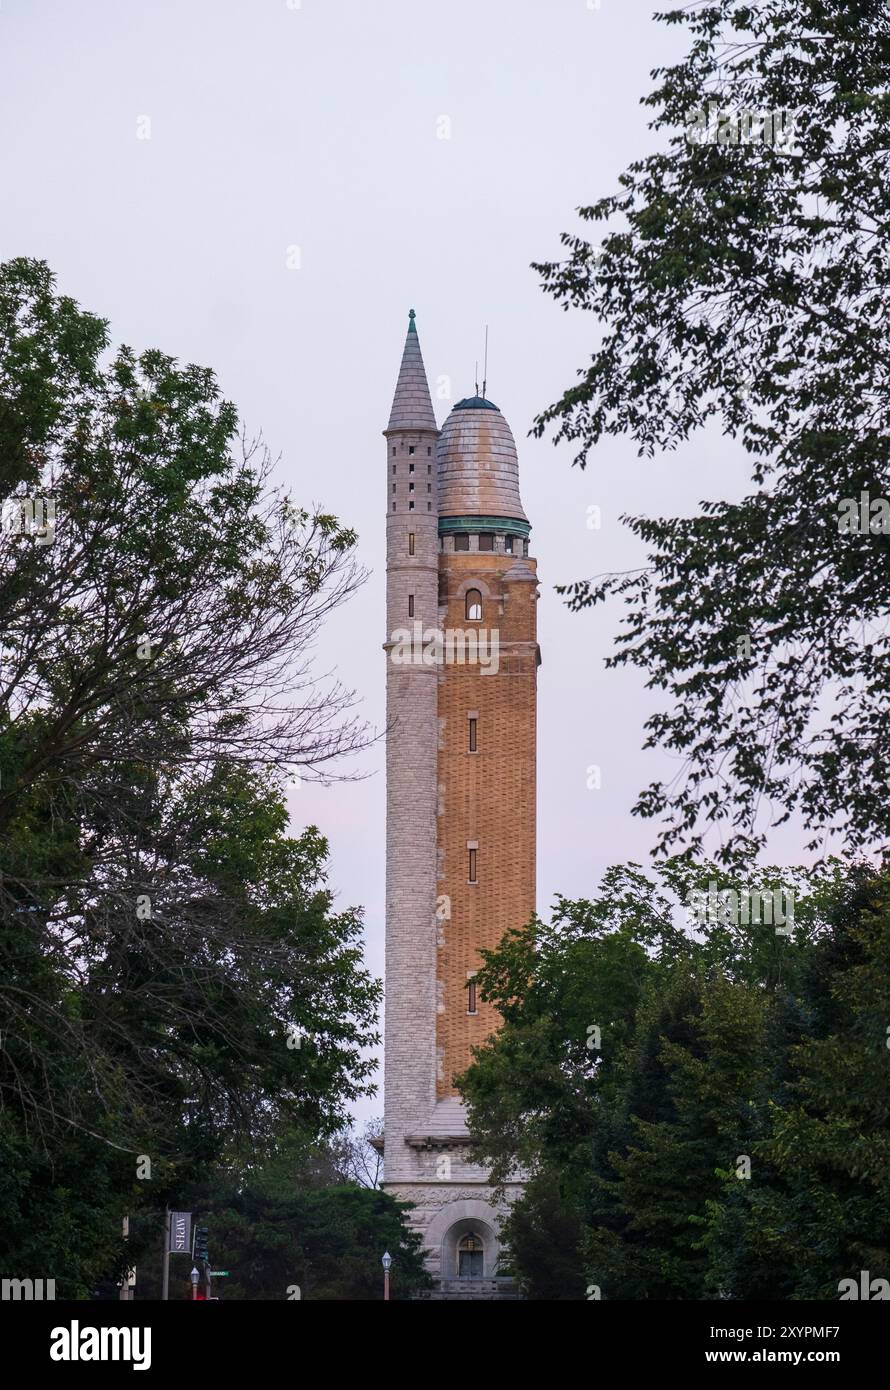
487,797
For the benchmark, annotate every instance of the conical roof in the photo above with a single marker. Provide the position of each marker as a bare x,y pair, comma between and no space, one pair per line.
411,404
477,463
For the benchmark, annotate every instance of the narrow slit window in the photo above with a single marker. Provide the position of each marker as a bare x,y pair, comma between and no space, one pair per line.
410,542
471,996
471,867
473,747
410,605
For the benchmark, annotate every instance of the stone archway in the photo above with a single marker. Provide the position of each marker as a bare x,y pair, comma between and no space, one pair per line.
454,1221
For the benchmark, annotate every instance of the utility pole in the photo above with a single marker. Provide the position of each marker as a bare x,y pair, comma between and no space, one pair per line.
165,1294
129,1277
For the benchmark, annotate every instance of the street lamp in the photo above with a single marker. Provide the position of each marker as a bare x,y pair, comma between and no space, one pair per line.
195,1276
386,1262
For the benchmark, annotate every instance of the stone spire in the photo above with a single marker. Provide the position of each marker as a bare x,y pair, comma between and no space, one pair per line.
411,404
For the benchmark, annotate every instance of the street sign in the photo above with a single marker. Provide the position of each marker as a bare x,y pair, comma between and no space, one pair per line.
218,1273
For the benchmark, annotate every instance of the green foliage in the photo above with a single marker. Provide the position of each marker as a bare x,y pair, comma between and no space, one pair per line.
725,1132
174,978
286,1222
744,286
329,1242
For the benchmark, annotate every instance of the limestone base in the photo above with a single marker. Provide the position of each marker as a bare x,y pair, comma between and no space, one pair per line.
442,1214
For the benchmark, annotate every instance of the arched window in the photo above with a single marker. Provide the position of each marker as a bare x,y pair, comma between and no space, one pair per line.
470,1256
474,606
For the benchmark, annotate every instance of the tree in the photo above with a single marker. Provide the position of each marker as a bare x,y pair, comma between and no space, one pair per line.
174,976
567,991
288,1226
694,1091
741,281
815,1212
359,1157
701,1114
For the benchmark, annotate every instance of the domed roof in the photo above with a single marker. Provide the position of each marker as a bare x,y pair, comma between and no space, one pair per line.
477,463
475,403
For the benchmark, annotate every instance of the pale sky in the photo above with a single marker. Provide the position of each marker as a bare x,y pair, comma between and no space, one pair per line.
318,125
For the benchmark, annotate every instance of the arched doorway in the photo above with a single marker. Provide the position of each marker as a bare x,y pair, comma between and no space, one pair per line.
470,1256
463,1217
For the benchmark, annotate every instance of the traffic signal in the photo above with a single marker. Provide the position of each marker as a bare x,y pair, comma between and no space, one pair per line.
201,1238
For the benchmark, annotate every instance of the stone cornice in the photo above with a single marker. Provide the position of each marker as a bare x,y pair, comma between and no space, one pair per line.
510,524
439,1141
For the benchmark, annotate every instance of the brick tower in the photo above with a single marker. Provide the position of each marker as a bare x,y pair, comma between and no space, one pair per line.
462,660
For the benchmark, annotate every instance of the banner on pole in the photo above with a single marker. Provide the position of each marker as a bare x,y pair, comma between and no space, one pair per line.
180,1232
